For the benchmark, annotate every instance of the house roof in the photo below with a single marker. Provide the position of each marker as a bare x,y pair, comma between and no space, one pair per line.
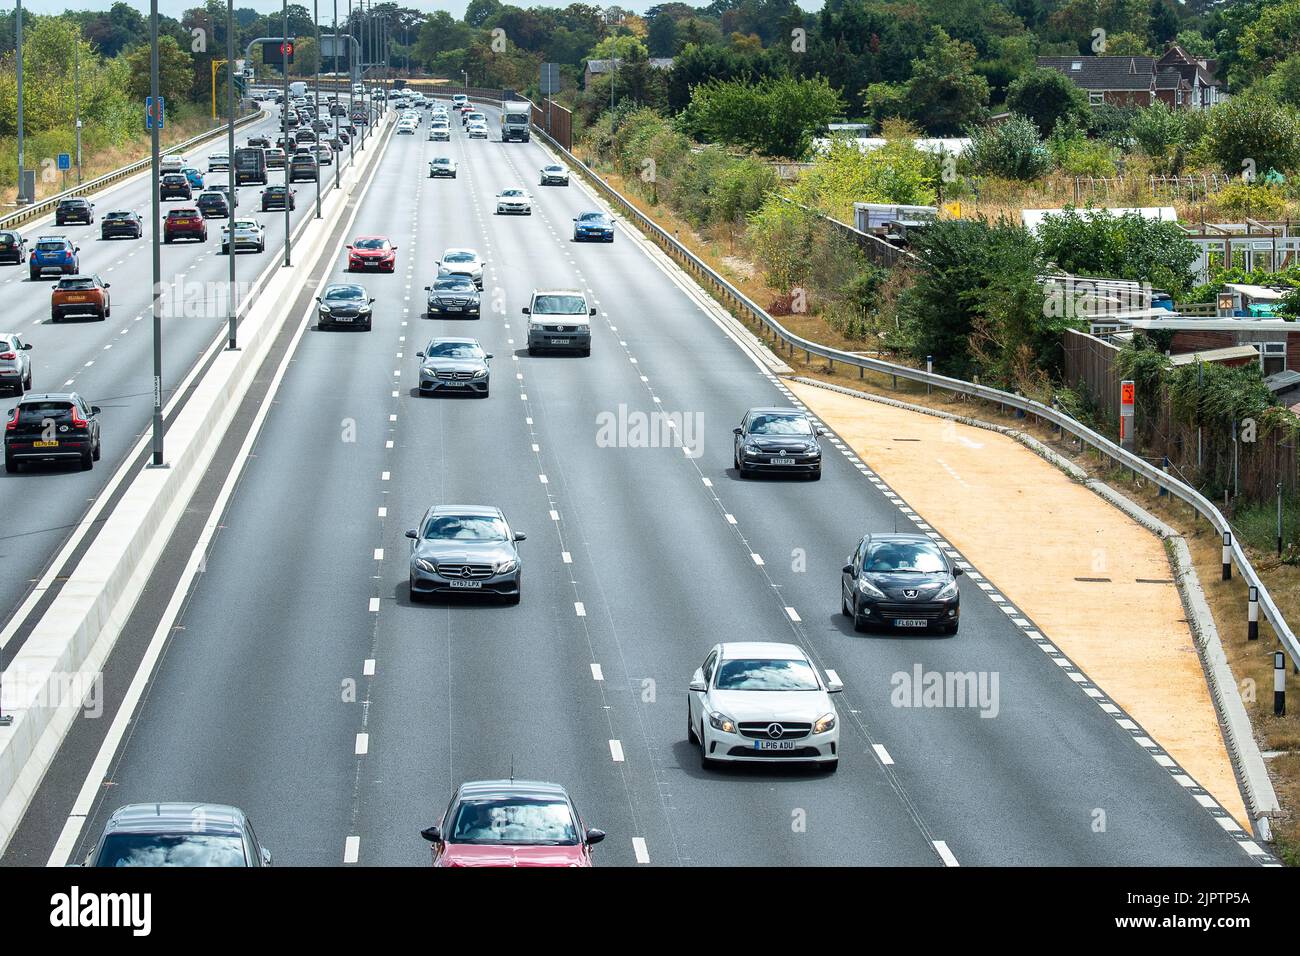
1127,73
1229,354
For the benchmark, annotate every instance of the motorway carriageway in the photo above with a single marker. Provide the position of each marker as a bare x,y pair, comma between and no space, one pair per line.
111,362
300,683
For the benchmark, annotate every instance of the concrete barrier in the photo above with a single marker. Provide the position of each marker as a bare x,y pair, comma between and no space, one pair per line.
80,628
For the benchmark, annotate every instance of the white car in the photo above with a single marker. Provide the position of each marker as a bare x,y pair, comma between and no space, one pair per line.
405,128
218,161
553,173
477,131
324,155
249,234
441,166
172,163
760,701
411,116
514,200
462,262
440,134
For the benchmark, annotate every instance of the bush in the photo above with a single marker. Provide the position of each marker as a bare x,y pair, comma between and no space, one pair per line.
1077,155
1255,200
1011,150
845,174
1254,132
1047,97
1121,247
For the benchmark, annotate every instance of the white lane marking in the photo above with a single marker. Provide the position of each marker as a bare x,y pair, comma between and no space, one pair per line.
351,849
616,750
883,754
707,482
579,609
383,512
363,745
555,515
566,557
731,519
945,854
639,848
374,605
543,479
596,673
758,559
383,476
792,614
379,554
368,668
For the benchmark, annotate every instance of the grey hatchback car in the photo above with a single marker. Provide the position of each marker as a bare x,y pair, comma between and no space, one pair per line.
178,834
778,440
465,549
455,365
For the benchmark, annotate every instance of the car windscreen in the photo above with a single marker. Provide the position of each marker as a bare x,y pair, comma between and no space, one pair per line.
465,528
76,285
766,675
458,257
779,425
559,305
36,412
344,292
179,849
51,245
371,244
592,217
512,192
516,117
912,556
118,215
441,161
516,821
456,350
453,284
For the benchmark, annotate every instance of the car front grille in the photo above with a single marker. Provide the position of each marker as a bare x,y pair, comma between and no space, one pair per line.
799,753
790,730
455,376
926,610
476,571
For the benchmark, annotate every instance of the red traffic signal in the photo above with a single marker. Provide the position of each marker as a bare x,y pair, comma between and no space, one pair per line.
277,52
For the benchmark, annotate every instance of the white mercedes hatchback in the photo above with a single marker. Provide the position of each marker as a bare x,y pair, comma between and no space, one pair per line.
759,701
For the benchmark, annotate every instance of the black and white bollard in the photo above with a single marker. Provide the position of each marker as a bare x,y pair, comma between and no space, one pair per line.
1252,615
1227,555
1279,684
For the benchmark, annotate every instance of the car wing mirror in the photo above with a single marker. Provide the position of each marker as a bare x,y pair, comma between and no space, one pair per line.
94,409
412,533
266,857
520,536
432,834
847,569
27,347
697,681
591,311
737,430
488,355
526,311
957,572
108,285
821,432
834,686
594,836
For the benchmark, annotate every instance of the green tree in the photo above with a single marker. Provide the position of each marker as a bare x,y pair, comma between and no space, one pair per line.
1162,134
662,36
1163,24
1095,243
1047,97
944,94
896,172
1195,43
1272,37
775,117
1254,131
1125,43
1011,150
619,47
175,71
479,12
1283,81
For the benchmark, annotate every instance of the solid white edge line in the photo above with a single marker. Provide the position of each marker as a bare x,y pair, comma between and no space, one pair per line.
945,854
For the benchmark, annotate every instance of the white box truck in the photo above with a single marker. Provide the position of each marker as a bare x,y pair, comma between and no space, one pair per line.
515,117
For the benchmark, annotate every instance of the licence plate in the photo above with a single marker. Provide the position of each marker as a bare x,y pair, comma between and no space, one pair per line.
342,318
559,341
783,461
78,298
466,584
774,745
45,444
910,622
452,308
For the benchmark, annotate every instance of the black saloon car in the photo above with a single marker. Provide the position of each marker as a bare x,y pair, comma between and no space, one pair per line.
900,580
453,295
121,224
74,210
175,186
344,305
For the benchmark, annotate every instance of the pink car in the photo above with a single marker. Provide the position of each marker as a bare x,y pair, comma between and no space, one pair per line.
511,823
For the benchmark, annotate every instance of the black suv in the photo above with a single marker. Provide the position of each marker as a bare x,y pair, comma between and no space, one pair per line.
13,247
174,186
303,166
121,222
274,197
74,210
213,204
52,426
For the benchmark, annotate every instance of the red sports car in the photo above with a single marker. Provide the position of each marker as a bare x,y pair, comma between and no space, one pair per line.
511,823
372,252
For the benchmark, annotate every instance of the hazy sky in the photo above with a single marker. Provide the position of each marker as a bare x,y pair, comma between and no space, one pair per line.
175,8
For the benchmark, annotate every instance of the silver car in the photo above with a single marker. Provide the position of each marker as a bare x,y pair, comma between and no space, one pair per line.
553,174
440,133
15,363
462,262
514,200
454,365
466,549
442,166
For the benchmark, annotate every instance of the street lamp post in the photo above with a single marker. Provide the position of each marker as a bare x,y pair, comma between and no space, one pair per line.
76,94
19,51
284,65
157,248
352,79
338,100
232,180
315,14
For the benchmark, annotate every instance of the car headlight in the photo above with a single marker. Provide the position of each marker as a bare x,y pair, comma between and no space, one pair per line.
824,723
364,310
719,721
424,565
481,373
504,567
869,589
751,449
325,309
948,592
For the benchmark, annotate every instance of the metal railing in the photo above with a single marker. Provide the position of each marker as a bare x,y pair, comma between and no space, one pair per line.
42,206
1061,421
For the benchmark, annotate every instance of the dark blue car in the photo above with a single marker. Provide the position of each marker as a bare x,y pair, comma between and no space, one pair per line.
53,255
593,225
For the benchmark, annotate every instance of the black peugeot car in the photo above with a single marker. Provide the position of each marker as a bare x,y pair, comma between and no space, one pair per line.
52,426
13,247
779,441
344,305
900,580
121,224
74,210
